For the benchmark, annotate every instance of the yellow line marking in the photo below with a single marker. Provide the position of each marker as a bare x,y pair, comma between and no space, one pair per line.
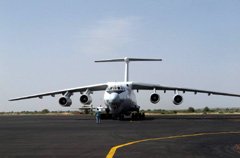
113,149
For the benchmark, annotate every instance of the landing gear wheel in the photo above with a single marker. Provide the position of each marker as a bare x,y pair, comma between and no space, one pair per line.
139,116
114,117
121,117
107,113
133,116
107,110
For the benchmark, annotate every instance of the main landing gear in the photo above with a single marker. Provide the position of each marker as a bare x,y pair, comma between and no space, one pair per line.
138,116
118,116
135,116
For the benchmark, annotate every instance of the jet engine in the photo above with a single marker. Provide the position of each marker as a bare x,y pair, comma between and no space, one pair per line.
65,101
86,99
177,99
154,98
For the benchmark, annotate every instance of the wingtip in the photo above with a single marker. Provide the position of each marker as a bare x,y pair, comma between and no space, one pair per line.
12,99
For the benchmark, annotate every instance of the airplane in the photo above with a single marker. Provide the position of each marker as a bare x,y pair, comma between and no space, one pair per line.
119,97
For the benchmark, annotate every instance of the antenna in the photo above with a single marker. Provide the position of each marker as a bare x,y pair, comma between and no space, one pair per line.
127,61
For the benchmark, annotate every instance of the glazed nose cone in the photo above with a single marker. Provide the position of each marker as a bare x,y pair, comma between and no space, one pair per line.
114,98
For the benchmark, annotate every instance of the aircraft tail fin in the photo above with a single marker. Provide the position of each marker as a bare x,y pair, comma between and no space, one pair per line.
127,60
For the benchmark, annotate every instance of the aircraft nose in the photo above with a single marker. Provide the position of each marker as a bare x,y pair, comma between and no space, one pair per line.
114,98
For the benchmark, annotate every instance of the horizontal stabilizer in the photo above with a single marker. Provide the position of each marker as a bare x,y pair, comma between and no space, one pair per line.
127,59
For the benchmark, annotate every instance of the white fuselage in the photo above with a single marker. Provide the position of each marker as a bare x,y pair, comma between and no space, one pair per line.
120,98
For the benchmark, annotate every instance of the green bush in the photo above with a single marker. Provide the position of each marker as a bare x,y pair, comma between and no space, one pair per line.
191,109
175,112
206,109
45,111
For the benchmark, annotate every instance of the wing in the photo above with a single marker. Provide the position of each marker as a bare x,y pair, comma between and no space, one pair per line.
97,87
145,86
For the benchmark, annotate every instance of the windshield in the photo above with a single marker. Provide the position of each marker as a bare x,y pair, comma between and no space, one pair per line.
116,88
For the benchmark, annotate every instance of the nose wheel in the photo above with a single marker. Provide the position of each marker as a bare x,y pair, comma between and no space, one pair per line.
107,113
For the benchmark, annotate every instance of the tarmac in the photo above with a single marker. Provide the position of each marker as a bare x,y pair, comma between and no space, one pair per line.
201,136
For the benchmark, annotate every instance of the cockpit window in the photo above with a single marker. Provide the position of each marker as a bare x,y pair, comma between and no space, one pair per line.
115,88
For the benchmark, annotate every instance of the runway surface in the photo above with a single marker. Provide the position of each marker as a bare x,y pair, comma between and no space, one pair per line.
157,136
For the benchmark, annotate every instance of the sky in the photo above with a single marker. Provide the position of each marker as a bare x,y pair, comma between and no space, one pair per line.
48,45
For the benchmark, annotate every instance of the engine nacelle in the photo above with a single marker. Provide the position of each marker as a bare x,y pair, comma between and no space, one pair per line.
154,98
177,99
65,101
86,99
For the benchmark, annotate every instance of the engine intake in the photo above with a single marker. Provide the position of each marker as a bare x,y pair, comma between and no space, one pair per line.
154,98
86,99
177,99
65,101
